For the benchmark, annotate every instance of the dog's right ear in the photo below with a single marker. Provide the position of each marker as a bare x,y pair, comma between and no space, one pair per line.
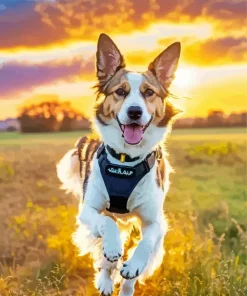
109,59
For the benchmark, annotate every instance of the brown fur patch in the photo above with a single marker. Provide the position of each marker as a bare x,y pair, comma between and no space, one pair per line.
108,107
86,148
115,80
163,110
155,104
160,173
99,111
152,80
169,114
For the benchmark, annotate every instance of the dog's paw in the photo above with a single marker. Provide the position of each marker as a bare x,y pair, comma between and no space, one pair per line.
105,285
112,253
112,249
132,268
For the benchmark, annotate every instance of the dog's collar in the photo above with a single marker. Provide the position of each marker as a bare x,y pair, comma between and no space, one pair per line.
125,157
121,156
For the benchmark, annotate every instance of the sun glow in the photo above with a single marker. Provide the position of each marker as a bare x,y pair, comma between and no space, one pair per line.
185,77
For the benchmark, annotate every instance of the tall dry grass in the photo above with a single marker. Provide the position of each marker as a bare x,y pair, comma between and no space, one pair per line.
205,246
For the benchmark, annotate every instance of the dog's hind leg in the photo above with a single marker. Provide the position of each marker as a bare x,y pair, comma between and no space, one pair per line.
103,279
104,283
154,261
149,253
156,257
128,287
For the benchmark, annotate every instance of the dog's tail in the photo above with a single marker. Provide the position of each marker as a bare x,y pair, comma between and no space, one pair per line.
68,172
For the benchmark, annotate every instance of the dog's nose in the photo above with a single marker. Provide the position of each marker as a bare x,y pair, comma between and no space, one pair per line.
134,112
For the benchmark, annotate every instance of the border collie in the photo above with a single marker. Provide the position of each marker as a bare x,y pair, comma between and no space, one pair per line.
122,176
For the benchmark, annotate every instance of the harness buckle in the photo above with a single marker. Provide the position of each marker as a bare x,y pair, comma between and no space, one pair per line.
122,157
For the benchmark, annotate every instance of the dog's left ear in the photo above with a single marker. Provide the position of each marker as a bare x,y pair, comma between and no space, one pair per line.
165,65
109,59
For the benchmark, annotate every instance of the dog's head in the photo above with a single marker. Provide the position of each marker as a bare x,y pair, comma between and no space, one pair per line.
131,108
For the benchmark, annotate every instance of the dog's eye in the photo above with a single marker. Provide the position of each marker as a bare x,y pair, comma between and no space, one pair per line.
121,92
148,92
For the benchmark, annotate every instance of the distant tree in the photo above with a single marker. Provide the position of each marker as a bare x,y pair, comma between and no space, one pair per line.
11,129
48,117
243,121
216,118
199,122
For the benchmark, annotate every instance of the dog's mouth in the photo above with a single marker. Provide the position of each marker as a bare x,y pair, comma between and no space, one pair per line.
133,132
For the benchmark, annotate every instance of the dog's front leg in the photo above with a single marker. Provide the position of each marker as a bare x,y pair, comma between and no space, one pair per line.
104,227
151,235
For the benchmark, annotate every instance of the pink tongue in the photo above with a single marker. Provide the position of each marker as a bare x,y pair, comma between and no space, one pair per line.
133,133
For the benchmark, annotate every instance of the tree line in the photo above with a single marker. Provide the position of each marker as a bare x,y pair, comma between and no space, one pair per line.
51,116
215,118
60,116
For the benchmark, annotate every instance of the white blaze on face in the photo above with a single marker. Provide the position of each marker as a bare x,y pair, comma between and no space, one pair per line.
133,132
134,98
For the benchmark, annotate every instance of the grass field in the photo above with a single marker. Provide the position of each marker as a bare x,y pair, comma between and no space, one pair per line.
206,208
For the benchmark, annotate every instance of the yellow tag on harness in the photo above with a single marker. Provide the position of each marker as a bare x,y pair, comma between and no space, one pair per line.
122,158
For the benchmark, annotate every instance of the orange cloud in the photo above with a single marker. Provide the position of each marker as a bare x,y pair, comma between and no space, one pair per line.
50,23
209,52
216,51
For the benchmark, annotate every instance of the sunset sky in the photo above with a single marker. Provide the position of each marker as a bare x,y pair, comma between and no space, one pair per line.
47,49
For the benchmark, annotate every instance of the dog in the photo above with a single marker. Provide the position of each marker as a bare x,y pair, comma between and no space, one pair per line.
122,176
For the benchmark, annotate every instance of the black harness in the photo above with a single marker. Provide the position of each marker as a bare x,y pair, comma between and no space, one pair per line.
121,180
